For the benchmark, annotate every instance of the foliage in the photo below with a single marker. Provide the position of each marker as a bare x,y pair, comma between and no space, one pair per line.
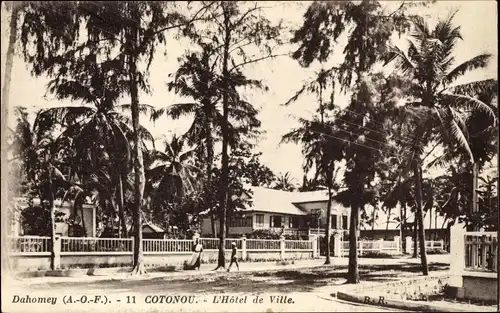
172,175
284,182
35,220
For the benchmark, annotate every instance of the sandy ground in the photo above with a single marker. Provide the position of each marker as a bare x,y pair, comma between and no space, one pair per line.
302,287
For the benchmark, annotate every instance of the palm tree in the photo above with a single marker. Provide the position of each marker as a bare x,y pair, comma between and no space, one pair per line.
196,79
439,103
172,175
321,152
36,154
368,30
284,182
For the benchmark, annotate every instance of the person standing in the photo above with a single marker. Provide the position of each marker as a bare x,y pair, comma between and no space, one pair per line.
197,249
234,259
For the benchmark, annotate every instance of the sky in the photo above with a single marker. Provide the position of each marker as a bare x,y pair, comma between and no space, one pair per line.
283,76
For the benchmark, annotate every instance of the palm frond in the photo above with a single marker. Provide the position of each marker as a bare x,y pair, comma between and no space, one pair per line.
468,102
476,62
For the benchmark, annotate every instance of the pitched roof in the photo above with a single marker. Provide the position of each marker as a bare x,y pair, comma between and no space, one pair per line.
282,202
154,227
310,196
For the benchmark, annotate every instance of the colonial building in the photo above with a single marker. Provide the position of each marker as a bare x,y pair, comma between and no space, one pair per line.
283,212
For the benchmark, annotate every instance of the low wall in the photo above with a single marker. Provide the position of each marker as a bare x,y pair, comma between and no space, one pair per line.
30,262
41,261
109,259
267,255
414,289
298,255
480,286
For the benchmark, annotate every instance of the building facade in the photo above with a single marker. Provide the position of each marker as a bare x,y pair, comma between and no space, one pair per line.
282,212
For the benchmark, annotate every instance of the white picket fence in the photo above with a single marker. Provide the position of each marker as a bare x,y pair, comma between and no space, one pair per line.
30,244
429,245
36,244
380,246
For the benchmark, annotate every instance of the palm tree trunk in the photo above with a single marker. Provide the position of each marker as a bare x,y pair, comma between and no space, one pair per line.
417,172
353,270
387,224
83,221
403,228
373,217
210,160
121,207
9,63
212,221
139,181
415,233
328,224
430,222
475,207
52,218
221,263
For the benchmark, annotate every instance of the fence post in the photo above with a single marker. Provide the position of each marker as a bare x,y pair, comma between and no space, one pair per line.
360,247
57,252
381,245
244,248
441,242
397,240
314,243
282,247
408,245
457,254
337,245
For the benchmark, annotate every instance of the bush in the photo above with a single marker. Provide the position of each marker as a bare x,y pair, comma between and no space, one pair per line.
263,234
376,255
436,251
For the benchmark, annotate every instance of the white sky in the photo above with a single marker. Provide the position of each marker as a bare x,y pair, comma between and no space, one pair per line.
478,20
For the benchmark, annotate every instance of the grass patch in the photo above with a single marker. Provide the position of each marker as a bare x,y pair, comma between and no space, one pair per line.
379,255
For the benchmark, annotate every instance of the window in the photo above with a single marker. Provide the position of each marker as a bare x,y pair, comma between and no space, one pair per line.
241,222
259,220
276,221
344,221
293,222
334,222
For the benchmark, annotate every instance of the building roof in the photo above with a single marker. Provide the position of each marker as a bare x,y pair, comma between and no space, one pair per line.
274,201
310,196
283,202
154,227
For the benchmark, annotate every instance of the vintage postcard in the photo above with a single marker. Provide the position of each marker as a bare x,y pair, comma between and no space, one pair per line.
249,156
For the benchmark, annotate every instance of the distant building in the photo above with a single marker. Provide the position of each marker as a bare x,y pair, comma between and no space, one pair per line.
283,211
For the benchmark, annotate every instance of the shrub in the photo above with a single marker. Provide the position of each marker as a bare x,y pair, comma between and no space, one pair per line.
436,251
376,255
264,234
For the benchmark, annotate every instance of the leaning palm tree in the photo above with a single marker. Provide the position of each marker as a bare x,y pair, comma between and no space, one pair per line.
439,104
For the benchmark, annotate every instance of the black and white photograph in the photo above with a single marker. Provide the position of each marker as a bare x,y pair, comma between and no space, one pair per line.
250,156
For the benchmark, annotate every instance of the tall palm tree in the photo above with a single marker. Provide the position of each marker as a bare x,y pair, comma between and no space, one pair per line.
440,104
172,175
321,153
196,79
